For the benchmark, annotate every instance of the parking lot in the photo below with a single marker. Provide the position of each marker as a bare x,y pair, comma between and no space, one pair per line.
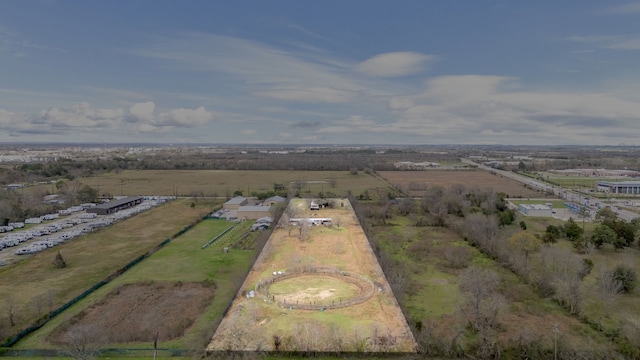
47,231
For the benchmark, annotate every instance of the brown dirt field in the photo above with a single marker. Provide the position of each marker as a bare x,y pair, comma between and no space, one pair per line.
251,324
418,181
135,312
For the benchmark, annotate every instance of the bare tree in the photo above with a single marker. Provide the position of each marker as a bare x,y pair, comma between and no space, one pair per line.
304,230
10,303
524,243
38,302
84,342
51,294
609,288
483,302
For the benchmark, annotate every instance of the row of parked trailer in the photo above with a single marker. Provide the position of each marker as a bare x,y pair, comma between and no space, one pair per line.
61,231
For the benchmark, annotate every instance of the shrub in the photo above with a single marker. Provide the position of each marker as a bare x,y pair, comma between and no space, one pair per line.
59,262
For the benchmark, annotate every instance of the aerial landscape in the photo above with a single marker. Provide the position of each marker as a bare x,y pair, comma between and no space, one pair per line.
337,179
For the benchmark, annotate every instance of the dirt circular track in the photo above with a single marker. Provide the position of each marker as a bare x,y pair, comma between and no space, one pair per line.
312,298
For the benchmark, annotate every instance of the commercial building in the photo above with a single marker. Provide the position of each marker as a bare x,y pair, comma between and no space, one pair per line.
622,187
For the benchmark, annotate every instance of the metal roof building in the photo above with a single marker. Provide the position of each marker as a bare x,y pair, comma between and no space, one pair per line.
115,205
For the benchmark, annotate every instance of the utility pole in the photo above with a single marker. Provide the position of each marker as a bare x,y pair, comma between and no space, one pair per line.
555,341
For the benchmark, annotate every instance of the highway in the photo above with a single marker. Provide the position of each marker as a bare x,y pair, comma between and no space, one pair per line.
618,206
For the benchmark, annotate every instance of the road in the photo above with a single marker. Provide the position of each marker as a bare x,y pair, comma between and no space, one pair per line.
618,206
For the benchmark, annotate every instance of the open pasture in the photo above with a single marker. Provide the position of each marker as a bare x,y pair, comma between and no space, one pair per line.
225,182
417,182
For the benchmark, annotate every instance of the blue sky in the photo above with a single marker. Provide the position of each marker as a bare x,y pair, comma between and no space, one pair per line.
320,72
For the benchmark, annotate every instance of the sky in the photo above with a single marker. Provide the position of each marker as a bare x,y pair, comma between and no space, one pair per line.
414,72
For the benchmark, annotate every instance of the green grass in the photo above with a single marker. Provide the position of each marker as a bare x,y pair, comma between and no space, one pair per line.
181,260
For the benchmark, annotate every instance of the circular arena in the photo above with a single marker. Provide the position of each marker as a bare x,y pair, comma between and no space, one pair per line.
317,288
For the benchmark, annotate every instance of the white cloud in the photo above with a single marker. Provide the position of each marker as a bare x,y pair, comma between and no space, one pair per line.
184,117
394,64
142,111
83,118
492,109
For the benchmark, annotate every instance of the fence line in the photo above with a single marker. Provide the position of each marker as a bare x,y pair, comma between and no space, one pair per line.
366,286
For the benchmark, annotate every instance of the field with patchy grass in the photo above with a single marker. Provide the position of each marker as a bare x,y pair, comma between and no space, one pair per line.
262,322
155,290
225,182
417,182
34,286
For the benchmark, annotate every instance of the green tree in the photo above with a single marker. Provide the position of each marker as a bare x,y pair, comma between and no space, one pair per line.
506,217
626,276
523,225
573,230
626,232
603,235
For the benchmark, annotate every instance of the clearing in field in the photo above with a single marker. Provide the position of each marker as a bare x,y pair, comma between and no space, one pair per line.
315,288
417,182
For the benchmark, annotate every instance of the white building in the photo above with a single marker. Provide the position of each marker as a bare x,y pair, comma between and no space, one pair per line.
535,210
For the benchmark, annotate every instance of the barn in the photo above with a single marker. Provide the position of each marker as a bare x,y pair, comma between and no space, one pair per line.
235,203
115,205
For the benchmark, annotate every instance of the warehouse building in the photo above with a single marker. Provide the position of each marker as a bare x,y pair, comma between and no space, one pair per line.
535,210
116,205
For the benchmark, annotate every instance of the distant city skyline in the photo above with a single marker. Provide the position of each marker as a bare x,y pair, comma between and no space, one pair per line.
330,72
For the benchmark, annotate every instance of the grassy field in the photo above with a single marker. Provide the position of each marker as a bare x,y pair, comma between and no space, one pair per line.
224,182
433,296
417,182
182,260
35,277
